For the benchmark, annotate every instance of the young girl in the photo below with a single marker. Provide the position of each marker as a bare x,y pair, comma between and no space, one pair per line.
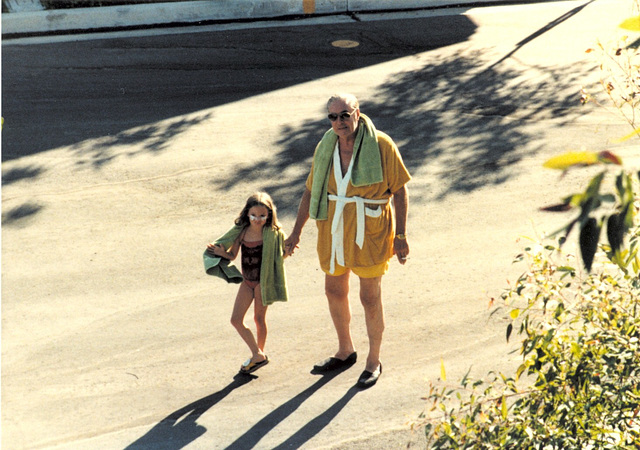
259,235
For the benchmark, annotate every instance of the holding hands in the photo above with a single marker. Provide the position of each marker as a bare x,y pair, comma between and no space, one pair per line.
291,244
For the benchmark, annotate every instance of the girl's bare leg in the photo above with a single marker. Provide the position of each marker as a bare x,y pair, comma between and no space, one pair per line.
260,318
240,307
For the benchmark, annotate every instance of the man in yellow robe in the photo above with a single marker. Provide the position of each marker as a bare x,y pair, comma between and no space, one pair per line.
356,173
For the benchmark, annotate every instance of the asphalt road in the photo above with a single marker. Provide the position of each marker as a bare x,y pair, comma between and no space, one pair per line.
124,154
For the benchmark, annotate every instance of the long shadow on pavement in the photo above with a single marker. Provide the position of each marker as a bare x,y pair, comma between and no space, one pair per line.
180,428
316,425
253,436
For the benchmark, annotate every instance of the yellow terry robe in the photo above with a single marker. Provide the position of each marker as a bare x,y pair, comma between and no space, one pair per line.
380,230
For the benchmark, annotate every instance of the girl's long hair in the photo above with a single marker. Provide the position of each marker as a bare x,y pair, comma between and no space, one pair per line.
259,199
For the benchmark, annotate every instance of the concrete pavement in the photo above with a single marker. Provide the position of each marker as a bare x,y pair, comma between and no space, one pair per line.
200,12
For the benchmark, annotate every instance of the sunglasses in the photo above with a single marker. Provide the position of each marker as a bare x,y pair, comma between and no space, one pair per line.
343,115
257,218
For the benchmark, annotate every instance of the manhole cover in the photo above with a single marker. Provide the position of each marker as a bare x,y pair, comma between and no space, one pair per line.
345,44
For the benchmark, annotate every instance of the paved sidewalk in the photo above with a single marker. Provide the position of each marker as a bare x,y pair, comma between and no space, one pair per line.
57,21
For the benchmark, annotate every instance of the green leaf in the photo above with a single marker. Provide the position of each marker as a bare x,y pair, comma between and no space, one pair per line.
634,133
625,188
504,407
575,349
620,185
465,378
610,198
558,312
568,229
521,369
561,207
509,330
615,231
443,373
575,199
594,187
628,215
589,237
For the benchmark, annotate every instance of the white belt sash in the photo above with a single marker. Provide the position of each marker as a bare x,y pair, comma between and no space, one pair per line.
337,226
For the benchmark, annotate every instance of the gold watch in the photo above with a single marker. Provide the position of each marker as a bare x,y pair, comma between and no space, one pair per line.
402,237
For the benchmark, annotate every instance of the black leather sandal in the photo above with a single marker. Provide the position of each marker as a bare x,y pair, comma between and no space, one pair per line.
333,363
368,379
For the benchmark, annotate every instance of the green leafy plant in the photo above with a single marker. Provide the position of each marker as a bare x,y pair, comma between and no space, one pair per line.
619,65
578,385
596,209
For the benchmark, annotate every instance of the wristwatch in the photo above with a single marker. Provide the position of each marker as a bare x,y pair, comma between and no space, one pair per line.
402,237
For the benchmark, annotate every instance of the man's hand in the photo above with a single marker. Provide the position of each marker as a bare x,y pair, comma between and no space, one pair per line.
401,249
401,204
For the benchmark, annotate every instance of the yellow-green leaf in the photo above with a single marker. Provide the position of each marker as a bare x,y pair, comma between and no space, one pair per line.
570,159
504,408
443,373
631,24
634,133
514,313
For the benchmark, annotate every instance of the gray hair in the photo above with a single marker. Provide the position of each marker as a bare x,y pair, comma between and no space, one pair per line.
349,99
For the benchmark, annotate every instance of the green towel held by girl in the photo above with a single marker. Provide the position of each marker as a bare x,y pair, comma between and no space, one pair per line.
259,235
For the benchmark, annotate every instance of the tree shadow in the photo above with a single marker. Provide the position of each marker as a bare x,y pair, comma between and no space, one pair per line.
472,129
464,121
181,428
21,173
458,116
121,92
463,117
15,216
153,138
254,435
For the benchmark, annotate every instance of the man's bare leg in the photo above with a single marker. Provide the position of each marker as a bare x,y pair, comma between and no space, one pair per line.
371,298
337,291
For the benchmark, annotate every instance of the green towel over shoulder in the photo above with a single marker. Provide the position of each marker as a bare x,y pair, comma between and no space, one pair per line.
367,165
273,280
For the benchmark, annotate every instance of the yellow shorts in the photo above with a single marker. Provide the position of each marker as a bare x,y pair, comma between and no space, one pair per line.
363,272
